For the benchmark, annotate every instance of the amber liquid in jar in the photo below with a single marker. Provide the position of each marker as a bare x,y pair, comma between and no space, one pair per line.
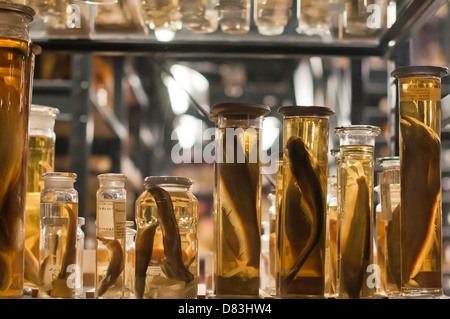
421,212
238,216
297,226
15,79
159,284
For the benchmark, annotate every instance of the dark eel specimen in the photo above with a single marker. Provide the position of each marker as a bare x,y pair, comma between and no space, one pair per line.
239,183
173,265
356,252
421,187
144,247
307,216
116,264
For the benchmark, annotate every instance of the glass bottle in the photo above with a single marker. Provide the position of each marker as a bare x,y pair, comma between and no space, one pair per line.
41,159
387,225
364,18
162,16
358,276
331,246
271,16
130,254
58,243
52,12
303,214
237,199
16,73
314,18
80,255
111,236
419,96
234,16
199,16
166,241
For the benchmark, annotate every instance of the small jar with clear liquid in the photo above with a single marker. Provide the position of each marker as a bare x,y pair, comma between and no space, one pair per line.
58,243
111,235
166,241
234,16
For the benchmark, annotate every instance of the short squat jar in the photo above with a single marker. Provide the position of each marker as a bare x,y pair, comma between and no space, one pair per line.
166,244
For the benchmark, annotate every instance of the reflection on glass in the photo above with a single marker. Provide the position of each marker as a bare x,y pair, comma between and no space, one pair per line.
234,16
313,17
271,16
199,16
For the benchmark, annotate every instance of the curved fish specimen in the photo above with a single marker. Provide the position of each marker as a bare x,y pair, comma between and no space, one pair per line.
238,184
174,267
311,207
60,288
144,247
356,248
116,264
421,186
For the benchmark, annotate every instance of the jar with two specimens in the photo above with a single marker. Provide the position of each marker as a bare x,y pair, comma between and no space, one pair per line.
111,236
58,243
166,247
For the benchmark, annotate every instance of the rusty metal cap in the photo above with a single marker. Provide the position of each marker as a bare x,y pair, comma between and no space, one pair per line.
296,110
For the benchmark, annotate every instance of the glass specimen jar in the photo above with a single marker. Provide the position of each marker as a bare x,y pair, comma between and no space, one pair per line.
199,16
388,224
16,73
419,97
314,18
271,16
234,16
130,254
41,159
111,236
237,198
58,243
331,246
356,175
162,16
166,241
302,228
364,18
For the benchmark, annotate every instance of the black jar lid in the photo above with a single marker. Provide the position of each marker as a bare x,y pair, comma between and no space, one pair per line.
167,180
17,7
419,70
296,110
240,110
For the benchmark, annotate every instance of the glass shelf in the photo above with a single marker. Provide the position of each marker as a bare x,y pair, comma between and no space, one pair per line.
137,36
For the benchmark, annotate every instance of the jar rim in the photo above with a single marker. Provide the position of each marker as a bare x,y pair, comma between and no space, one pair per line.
232,109
420,70
44,110
18,7
167,180
112,176
304,110
381,160
60,175
364,130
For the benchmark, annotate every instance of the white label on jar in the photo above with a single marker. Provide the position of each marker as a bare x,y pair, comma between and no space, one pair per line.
385,196
111,217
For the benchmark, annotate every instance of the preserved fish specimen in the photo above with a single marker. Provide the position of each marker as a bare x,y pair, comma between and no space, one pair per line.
356,210
420,173
16,72
271,16
303,208
237,197
166,244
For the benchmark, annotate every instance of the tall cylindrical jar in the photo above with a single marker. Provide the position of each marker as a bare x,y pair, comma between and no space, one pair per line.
357,143
41,159
58,243
16,73
419,89
166,244
237,198
111,236
388,225
303,215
